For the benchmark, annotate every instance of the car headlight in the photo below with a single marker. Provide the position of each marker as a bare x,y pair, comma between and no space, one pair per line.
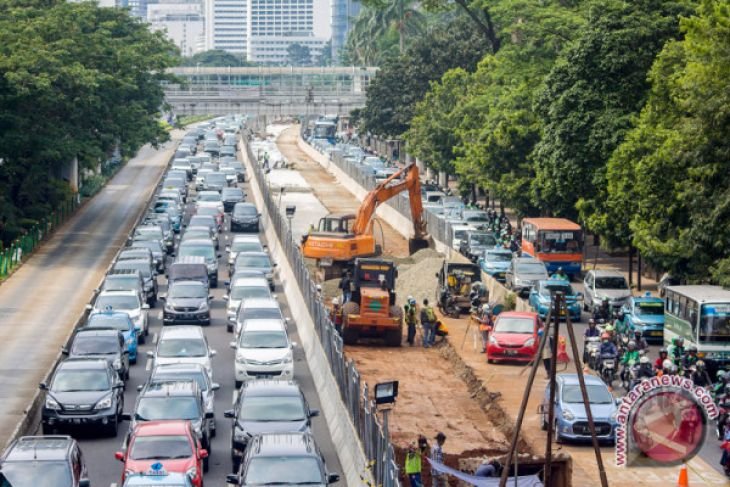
530,342
117,364
129,473
492,339
198,428
241,359
203,306
105,403
169,308
614,414
567,415
52,403
192,472
287,359
211,267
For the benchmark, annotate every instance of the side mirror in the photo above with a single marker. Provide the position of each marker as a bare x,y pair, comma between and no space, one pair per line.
209,415
126,417
287,320
232,478
145,306
64,350
220,255
162,297
313,413
203,453
226,297
150,354
332,478
140,387
89,307
228,247
43,386
274,264
210,297
233,345
229,413
213,353
294,345
619,400
215,386
119,456
119,385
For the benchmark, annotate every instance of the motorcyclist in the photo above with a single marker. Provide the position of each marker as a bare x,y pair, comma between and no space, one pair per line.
641,343
602,311
631,357
608,349
663,354
676,350
699,374
560,274
690,358
623,327
668,368
591,332
609,329
645,370
719,384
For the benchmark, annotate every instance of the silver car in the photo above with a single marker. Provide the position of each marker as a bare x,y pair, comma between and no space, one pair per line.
600,285
523,273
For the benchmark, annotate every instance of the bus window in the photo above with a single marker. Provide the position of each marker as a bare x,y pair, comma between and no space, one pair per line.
560,241
715,322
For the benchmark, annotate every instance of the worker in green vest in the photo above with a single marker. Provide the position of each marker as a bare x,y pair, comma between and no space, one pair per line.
413,462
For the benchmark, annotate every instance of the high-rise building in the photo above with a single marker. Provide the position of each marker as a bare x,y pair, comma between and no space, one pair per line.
181,19
342,16
225,25
274,25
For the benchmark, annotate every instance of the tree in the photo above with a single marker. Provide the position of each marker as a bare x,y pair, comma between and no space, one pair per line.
672,182
298,55
75,80
401,15
590,98
325,57
215,58
403,81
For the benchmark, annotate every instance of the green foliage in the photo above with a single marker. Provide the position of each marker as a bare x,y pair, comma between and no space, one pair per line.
403,81
75,81
298,55
589,100
215,58
672,172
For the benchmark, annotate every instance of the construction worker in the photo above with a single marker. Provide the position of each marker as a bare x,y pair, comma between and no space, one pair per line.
428,322
336,315
440,330
438,479
411,318
486,323
346,287
413,465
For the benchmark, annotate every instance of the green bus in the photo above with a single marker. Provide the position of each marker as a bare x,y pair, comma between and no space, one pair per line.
701,315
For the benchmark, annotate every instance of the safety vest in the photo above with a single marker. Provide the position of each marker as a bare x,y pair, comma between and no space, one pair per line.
413,463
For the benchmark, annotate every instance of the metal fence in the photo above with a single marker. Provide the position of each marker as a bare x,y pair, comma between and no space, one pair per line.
372,432
23,246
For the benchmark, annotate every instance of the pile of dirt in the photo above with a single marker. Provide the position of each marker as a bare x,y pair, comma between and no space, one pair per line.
417,276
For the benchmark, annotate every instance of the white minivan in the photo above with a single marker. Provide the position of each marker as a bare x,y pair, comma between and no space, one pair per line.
263,350
184,344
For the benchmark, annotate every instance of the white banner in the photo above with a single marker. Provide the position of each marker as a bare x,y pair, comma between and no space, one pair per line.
522,481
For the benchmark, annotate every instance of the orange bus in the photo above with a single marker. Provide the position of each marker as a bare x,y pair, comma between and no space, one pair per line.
556,242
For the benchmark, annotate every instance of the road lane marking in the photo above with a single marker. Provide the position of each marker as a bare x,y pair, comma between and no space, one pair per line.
148,366
154,338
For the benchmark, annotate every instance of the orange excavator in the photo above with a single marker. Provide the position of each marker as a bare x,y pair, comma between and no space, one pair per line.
341,238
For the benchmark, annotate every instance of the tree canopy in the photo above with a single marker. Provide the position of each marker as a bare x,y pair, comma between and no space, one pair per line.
298,55
75,81
215,58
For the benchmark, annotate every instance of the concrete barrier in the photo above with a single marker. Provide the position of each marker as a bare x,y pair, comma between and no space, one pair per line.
349,450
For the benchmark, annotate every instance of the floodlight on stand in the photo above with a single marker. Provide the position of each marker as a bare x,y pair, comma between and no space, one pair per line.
290,210
386,392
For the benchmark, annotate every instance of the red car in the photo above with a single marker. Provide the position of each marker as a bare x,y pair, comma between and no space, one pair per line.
171,443
514,337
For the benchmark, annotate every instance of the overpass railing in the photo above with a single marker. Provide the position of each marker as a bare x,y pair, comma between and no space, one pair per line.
371,431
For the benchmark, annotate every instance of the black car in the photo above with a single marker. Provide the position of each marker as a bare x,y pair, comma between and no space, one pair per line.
245,218
32,461
101,343
83,393
149,276
267,406
284,459
187,302
153,246
230,197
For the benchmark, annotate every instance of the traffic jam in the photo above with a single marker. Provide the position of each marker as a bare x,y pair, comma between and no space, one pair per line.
140,375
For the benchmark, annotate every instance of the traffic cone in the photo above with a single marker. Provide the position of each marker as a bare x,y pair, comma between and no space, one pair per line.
683,480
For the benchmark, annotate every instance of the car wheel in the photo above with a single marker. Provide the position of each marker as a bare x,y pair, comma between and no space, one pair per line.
229,328
141,338
113,427
205,464
48,430
239,383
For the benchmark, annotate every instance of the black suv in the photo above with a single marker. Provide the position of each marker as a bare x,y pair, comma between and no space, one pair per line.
285,459
83,393
31,461
187,302
101,343
230,197
267,406
173,400
245,218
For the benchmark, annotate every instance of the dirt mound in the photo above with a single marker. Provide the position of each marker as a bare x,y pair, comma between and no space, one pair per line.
417,278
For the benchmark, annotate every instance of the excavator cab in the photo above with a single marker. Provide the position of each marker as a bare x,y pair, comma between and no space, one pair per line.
336,223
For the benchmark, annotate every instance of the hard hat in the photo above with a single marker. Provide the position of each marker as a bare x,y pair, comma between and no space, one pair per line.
644,360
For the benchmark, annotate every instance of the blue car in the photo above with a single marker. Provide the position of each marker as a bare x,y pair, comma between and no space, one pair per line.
571,422
496,262
120,321
540,298
645,313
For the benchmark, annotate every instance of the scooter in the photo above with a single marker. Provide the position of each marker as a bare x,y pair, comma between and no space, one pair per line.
608,370
590,351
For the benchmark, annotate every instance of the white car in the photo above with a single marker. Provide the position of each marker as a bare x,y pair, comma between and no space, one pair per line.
263,350
258,309
459,232
210,199
610,285
128,302
246,242
184,344
245,288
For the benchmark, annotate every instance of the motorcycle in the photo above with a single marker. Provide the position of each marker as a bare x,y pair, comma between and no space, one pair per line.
590,351
723,419
447,305
608,370
630,376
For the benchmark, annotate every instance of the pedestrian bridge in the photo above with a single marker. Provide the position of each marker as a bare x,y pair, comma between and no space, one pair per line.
281,91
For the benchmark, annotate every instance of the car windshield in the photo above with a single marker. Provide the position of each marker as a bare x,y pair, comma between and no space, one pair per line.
498,257
198,377
263,339
283,470
276,408
531,268
715,322
71,380
262,313
547,289
650,309
106,301
611,283
232,193
35,474
209,196
181,347
244,210
460,234
169,407
155,232
202,221
215,178
195,234
206,251
90,345
119,321
247,292
597,394
483,239
246,247
121,283
515,325
153,245
207,210
134,254
142,267
191,290
244,260
476,217
160,447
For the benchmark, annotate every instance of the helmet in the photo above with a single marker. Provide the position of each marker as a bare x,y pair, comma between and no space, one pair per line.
692,349
637,332
591,321
411,300
605,336
680,341
644,359
335,301
632,345
700,364
609,328
663,351
667,364
672,369
720,373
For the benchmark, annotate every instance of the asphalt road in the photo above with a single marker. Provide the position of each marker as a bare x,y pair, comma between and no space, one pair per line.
105,470
40,303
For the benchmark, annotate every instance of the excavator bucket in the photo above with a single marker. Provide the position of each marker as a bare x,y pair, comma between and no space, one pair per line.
416,244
